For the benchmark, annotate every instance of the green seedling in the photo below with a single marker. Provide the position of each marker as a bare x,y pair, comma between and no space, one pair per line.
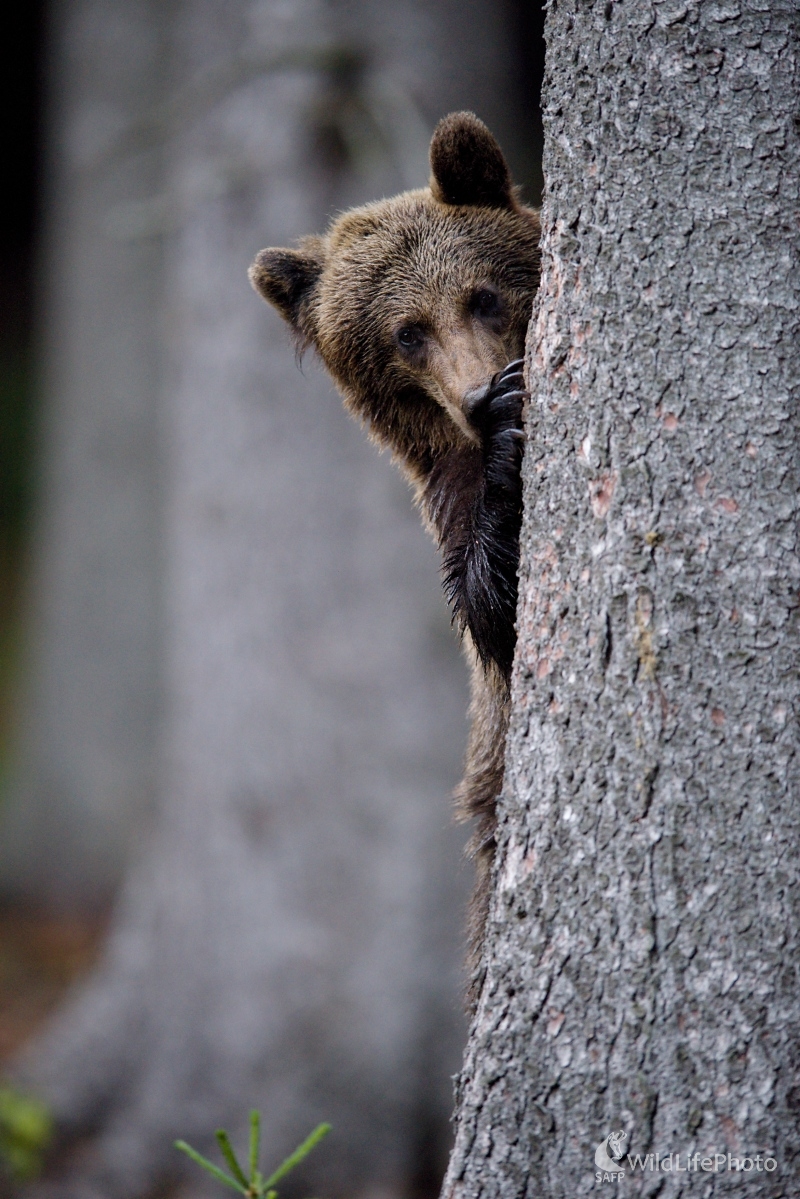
256,1186
26,1128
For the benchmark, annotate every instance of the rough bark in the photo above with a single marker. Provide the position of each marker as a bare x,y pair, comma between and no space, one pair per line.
290,938
642,947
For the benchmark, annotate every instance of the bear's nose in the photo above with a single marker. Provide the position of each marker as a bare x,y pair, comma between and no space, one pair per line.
474,397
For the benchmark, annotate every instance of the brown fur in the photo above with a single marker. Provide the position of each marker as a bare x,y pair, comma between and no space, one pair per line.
414,305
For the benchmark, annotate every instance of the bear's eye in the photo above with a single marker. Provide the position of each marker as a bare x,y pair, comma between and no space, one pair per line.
409,337
485,302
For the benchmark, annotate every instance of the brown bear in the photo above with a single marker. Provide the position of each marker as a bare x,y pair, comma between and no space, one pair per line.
418,306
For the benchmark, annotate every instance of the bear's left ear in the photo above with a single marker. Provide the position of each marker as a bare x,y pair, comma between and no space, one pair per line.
287,279
467,164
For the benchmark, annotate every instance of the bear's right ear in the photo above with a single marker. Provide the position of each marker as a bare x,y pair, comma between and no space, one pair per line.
467,164
287,278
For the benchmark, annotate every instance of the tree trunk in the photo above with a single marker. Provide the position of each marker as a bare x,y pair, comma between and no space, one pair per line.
642,946
290,938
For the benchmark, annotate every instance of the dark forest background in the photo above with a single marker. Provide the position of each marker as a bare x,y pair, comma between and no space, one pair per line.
21,88
301,826
23,91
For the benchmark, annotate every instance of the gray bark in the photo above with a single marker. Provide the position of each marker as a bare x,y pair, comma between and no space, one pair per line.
290,936
84,772
642,946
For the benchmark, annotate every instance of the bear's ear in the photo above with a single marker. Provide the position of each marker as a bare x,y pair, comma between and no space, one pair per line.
287,278
468,165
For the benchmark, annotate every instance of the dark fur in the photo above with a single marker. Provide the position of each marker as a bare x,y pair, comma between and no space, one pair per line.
416,305
475,503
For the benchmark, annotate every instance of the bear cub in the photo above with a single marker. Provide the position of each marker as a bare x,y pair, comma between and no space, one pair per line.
418,306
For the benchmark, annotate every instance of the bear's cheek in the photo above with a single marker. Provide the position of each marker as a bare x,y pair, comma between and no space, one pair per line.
362,364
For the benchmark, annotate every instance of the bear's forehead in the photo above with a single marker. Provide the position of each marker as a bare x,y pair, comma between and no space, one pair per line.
413,241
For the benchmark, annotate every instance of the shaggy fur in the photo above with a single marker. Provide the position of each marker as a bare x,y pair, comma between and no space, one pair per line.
417,305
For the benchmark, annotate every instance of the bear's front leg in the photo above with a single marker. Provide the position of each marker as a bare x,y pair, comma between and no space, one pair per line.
480,568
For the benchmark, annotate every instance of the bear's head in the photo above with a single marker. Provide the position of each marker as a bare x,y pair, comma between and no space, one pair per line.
415,302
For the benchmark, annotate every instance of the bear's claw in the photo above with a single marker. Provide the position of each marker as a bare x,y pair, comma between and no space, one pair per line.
498,418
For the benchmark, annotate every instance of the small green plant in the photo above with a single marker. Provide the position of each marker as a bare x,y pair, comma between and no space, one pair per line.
26,1128
256,1186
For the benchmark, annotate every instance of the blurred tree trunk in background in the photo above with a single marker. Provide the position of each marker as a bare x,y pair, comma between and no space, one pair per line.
289,937
642,947
85,773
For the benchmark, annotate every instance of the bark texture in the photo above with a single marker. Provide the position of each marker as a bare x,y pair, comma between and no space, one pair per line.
290,938
642,946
